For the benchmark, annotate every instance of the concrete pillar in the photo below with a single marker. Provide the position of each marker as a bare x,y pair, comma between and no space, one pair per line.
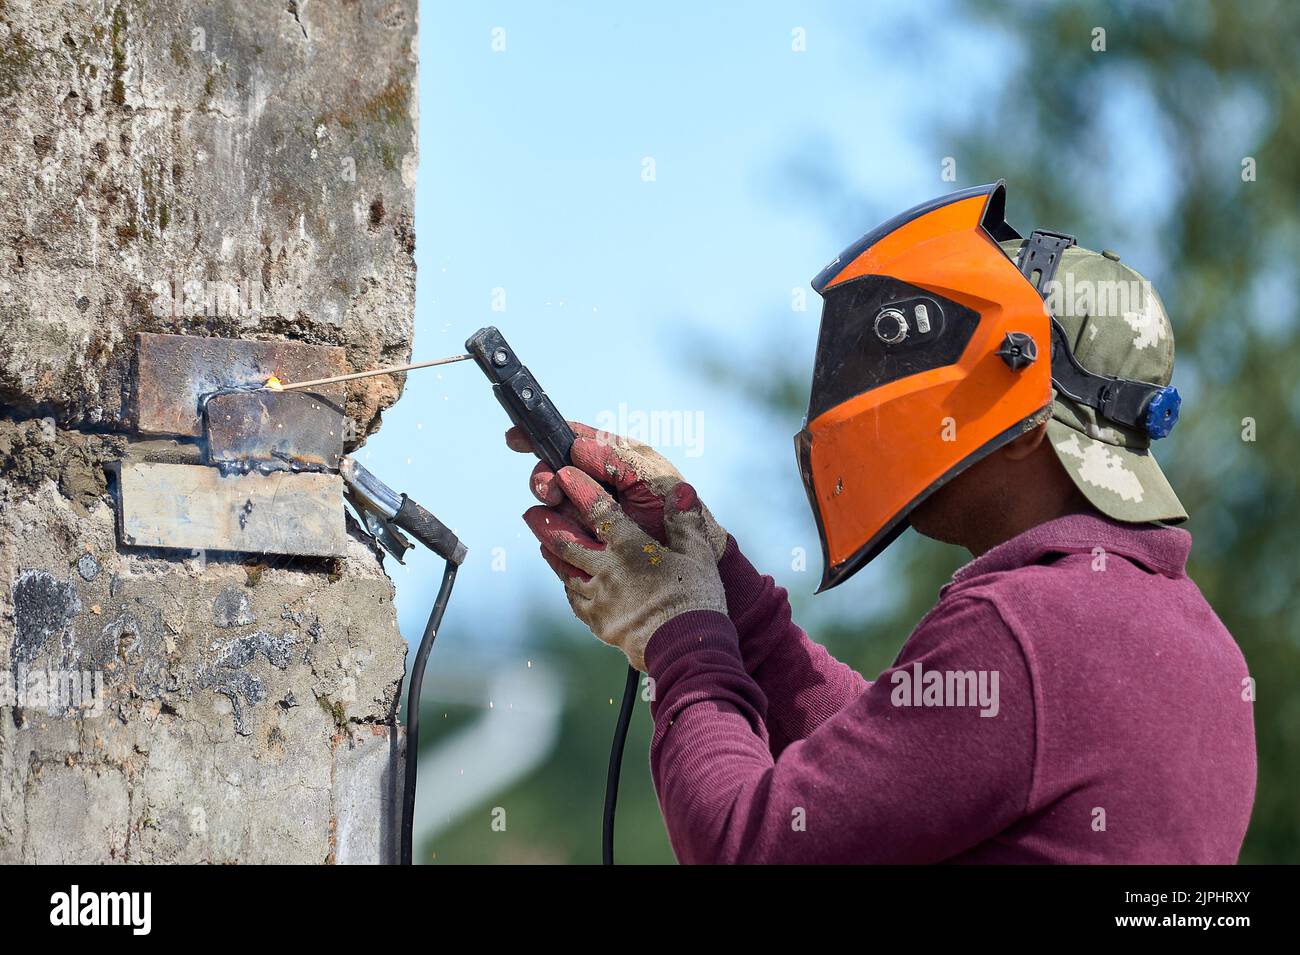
241,168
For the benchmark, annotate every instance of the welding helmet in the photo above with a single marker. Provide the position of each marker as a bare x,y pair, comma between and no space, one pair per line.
936,348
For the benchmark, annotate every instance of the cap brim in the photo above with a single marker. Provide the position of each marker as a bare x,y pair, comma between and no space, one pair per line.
1123,483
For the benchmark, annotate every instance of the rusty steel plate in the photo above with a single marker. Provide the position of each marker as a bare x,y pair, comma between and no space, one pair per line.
175,373
282,428
196,507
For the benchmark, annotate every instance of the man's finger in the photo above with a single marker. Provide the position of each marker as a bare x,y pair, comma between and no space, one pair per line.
684,522
567,508
565,539
599,458
596,456
594,453
590,499
518,440
638,500
566,572
584,430
603,516
542,483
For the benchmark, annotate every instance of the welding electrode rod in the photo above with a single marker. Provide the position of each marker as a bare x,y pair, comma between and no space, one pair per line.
376,371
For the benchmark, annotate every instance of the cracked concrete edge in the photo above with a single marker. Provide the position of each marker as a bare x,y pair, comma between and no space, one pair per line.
369,763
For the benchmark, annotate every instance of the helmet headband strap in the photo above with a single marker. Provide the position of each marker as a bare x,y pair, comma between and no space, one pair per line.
1138,405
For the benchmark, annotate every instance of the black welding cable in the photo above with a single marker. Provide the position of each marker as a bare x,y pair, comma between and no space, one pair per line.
616,763
413,708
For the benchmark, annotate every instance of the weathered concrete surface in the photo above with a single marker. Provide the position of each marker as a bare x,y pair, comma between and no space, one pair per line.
234,168
238,167
231,693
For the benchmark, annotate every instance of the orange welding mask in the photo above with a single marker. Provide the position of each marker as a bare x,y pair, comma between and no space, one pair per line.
928,359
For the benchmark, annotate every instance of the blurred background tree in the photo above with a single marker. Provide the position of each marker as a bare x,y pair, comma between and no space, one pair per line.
1208,94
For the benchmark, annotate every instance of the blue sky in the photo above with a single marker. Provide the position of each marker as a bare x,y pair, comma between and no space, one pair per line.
532,180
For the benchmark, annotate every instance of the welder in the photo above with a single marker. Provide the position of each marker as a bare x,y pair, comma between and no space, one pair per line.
1071,697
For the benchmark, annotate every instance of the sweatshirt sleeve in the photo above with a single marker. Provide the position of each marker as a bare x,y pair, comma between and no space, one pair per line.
893,777
803,684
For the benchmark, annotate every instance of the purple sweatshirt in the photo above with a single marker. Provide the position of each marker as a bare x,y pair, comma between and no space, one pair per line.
1071,698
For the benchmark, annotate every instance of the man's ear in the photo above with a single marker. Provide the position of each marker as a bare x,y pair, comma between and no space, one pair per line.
1025,445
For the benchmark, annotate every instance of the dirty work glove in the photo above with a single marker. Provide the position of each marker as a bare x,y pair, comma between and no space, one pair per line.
620,581
640,476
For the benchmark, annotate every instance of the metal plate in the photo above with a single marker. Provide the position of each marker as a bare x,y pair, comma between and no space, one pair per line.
196,507
285,428
174,372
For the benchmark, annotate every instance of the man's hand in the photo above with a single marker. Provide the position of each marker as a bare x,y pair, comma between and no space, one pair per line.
639,475
621,582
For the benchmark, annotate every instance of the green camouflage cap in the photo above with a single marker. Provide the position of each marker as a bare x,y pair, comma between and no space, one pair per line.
1117,326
